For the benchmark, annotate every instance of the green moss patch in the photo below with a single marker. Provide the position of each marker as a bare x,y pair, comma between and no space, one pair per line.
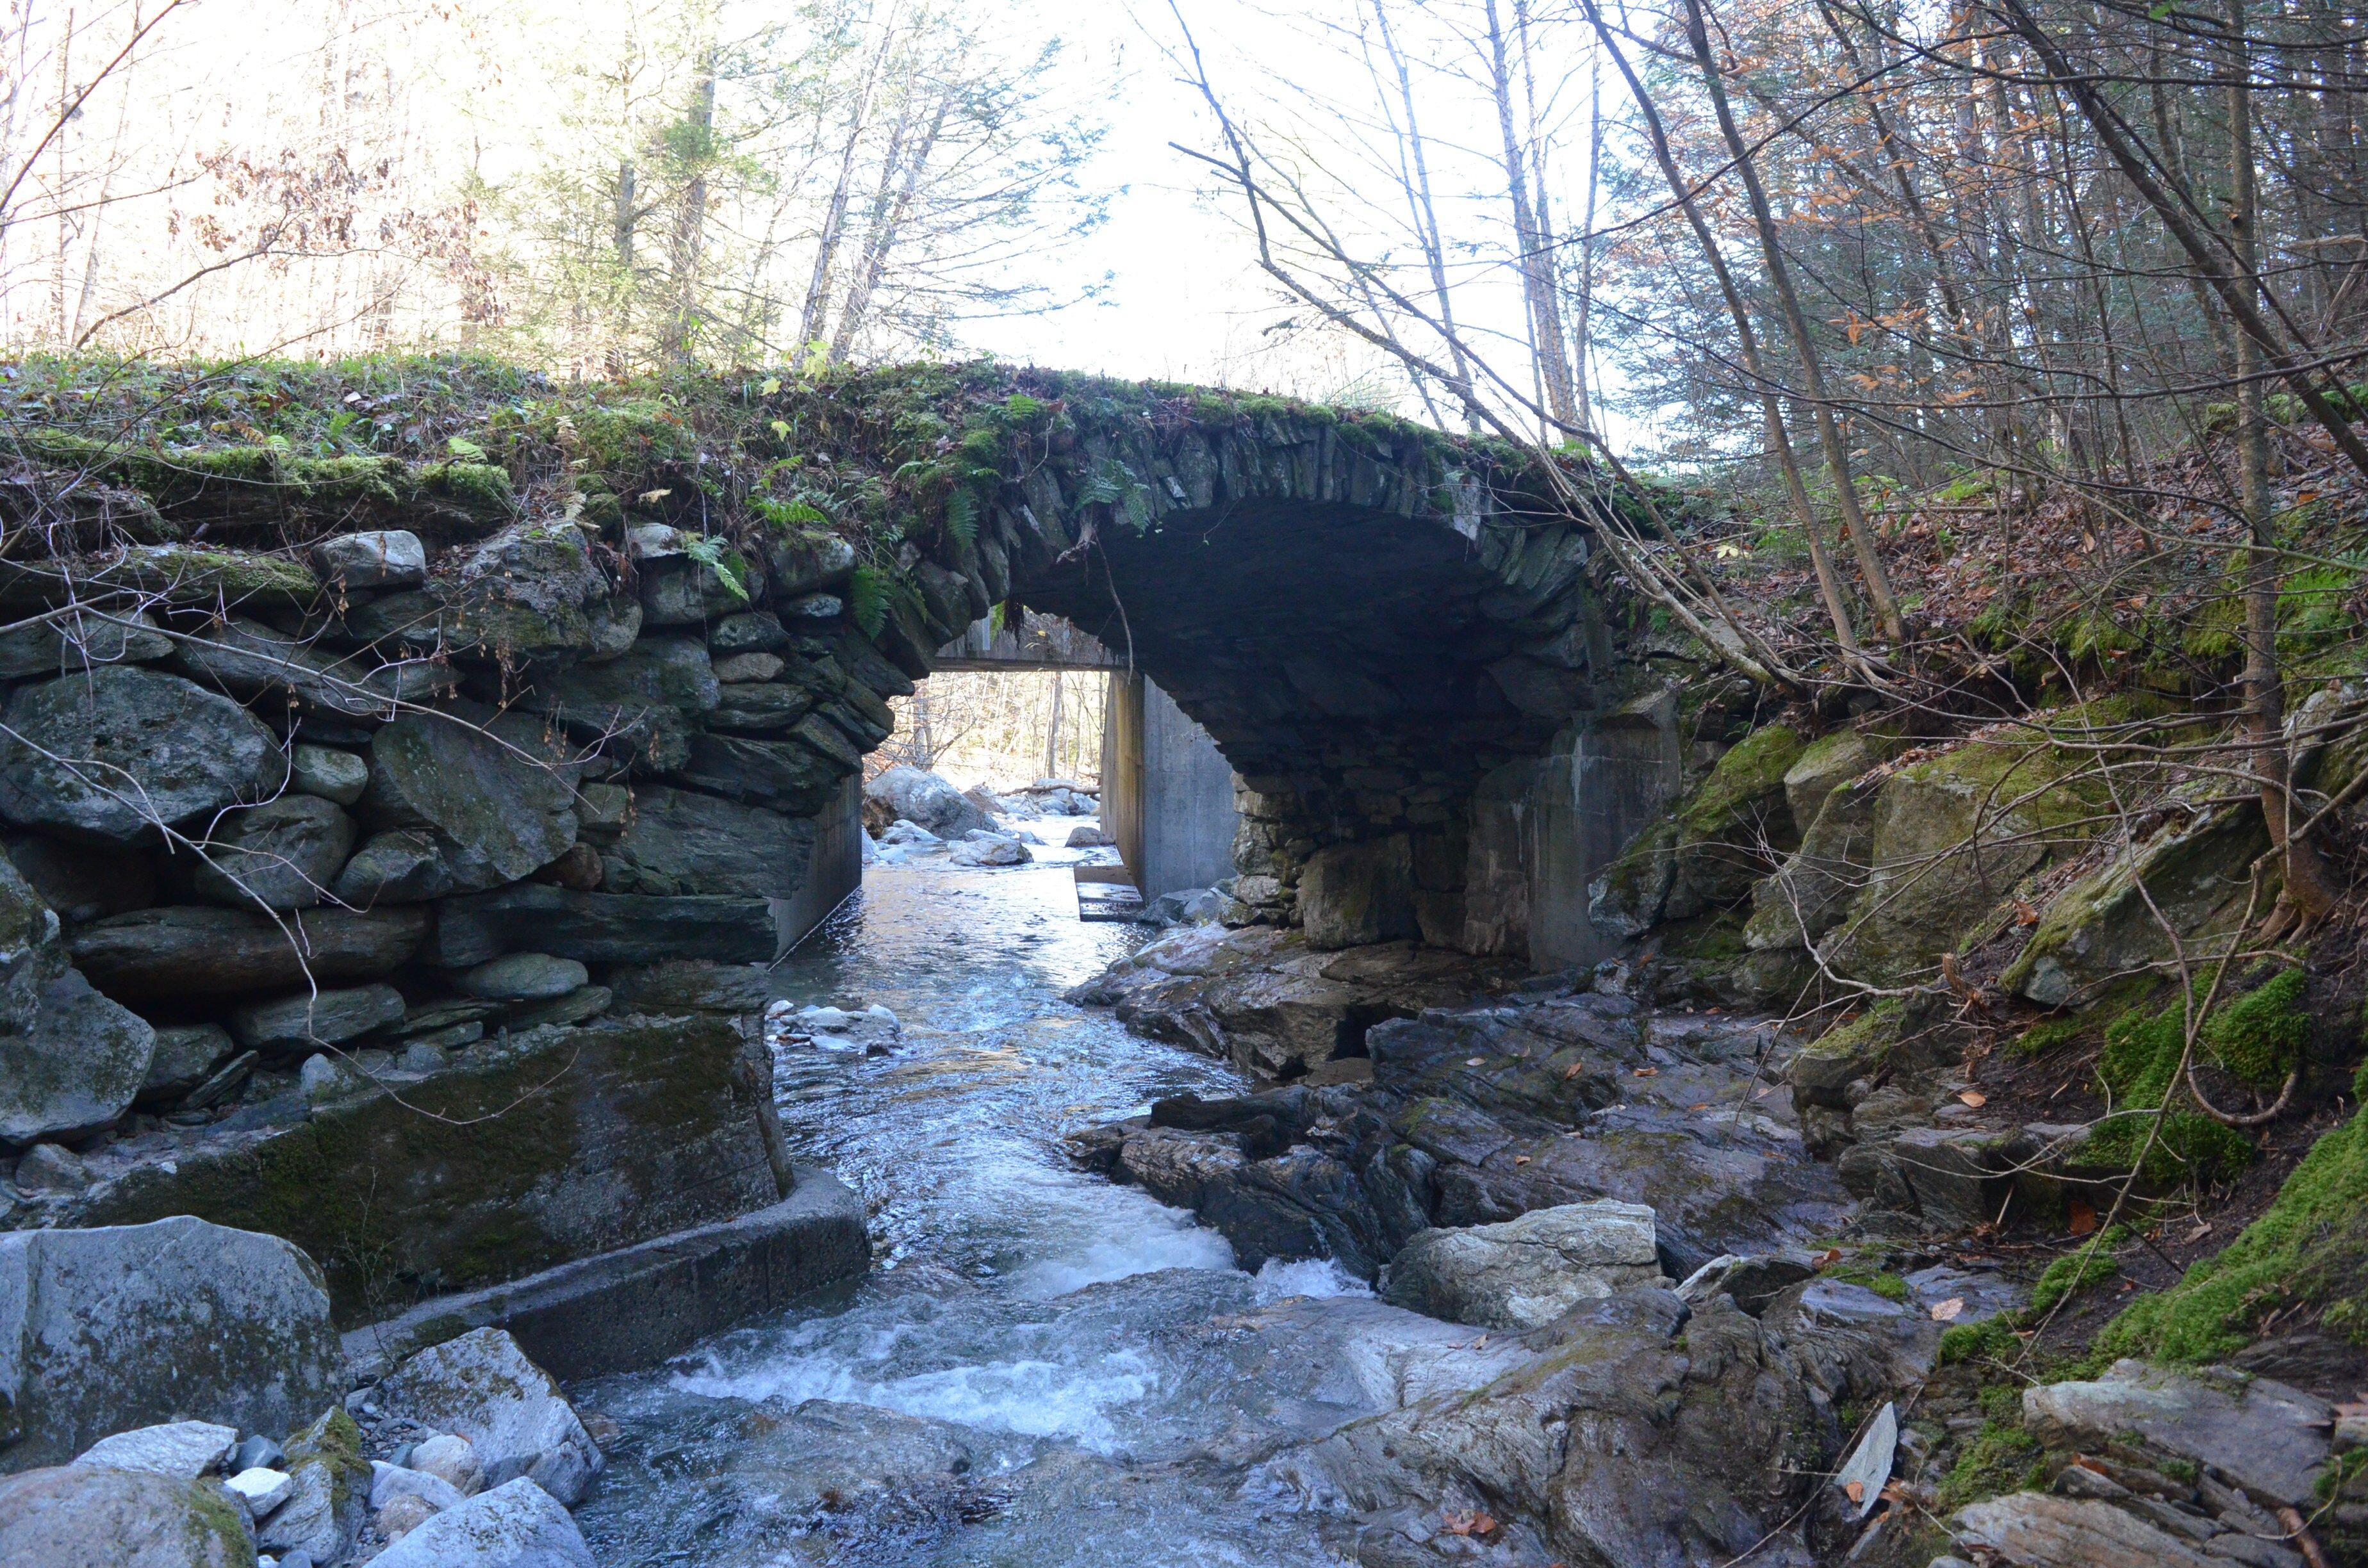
2000,1458
2311,1246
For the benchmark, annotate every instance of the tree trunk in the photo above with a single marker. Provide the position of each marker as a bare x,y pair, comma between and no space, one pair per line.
2306,887
1780,277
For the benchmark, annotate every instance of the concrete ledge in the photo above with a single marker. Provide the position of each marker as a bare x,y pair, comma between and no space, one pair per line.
634,1308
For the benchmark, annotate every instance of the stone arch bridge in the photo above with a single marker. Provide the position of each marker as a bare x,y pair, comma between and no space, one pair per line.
1406,655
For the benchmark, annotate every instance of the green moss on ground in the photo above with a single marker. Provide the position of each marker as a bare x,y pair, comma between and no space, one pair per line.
2139,1069
2001,1459
2309,1248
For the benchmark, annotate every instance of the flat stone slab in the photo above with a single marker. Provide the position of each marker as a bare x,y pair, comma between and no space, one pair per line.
2268,1438
638,1306
184,1449
2032,1530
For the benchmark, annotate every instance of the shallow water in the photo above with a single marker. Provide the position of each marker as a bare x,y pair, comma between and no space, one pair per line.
1045,1368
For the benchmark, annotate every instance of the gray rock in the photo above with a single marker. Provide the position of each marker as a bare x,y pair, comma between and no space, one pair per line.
603,809
422,1057
77,1517
253,661
2268,1438
261,1488
2032,1530
284,854
750,632
911,834
78,637
389,1482
325,1079
175,953
481,1387
1088,836
184,1449
578,1007
335,776
801,563
514,1526
648,698
1351,895
1526,1272
52,1167
814,607
679,843
741,667
602,928
990,850
83,881
464,811
767,706
258,1452
328,1493
693,985
118,1326
908,794
389,558
111,754
316,1018
524,977
70,1058
452,1458
186,1056
798,774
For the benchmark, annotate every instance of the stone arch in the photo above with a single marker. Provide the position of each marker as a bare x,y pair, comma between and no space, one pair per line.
1369,621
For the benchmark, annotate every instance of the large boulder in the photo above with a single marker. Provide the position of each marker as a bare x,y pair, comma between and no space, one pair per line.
1811,893
1528,1271
1952,836
2270,1439
1352,895
517,1525
86,1517
649,699
130,1325
184,1448
481,1387
252,661
283,854
70,1058
173,953
1738,826
680,843
2192,878
477,809
798,774
120,752
604,927
908,794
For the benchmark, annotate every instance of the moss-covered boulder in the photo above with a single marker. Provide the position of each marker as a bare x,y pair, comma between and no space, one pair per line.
1738,826
1812,891
1952,836
1629,896
2190,879
560,1143
1822,1073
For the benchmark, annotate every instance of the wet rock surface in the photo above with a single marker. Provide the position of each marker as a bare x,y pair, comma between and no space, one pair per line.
1479,1114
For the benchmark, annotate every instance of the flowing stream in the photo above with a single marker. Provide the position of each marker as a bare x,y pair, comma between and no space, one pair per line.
1043,1369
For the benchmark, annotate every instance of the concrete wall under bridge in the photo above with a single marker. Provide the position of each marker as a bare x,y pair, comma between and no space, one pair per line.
1167,794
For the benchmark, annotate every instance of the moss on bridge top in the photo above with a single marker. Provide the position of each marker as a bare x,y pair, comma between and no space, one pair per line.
151,452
